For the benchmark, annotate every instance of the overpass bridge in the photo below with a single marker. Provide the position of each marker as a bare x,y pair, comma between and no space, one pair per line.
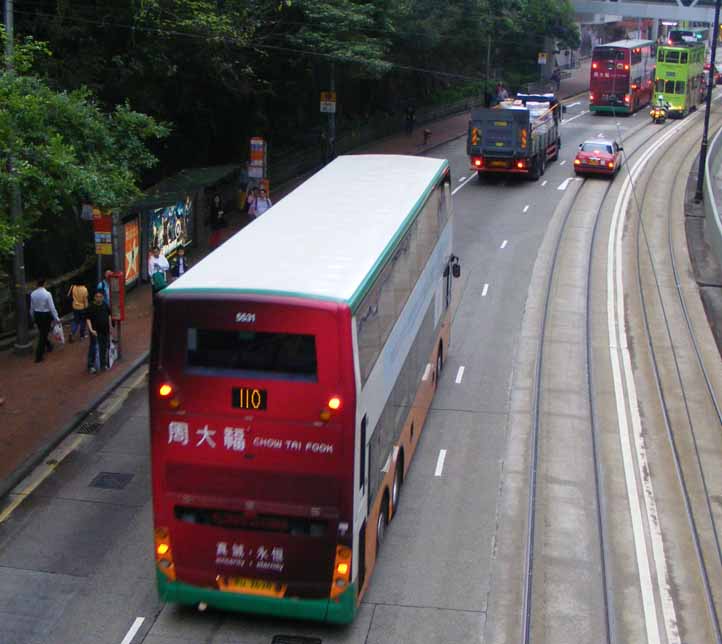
693,10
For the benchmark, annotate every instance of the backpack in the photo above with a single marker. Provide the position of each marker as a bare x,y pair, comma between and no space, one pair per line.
158,280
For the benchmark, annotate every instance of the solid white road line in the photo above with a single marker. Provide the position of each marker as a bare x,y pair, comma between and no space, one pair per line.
469,178
440,462
628,413
503,244
562,162
525,208
459,375
582,113
133,630
485,290
543,183
564,184
427,371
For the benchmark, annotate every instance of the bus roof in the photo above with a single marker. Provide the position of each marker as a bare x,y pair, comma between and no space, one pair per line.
625,44
328,238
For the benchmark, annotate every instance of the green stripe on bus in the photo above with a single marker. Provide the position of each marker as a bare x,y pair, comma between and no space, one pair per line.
250,291
339,611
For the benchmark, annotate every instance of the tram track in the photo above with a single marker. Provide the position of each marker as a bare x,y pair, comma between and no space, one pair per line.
692,428
535,625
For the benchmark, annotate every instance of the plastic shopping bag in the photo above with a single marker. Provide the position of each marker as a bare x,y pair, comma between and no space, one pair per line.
112,353
58,334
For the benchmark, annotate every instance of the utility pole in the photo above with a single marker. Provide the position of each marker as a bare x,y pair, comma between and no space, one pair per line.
22,336
699,193
332,116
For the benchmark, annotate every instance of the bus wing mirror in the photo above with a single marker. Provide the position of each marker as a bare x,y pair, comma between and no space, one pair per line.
456,270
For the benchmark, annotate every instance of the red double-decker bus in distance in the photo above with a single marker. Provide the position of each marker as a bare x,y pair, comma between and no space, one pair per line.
621,77
290,377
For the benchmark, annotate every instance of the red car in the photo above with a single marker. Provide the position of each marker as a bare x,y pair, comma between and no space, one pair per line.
599,156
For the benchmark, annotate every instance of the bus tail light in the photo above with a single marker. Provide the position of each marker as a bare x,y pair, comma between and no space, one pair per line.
591,96
594,65
165,390
341,571
334,403
626,67
626,98
164,553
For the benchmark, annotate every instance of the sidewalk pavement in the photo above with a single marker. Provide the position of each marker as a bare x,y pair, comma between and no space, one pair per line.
45,402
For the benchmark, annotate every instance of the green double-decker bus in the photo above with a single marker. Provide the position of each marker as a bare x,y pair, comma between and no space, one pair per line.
679,76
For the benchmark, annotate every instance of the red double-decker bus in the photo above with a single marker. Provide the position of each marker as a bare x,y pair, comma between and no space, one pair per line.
621,77
291,374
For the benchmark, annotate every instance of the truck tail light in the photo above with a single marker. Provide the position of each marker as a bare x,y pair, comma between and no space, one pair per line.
478,162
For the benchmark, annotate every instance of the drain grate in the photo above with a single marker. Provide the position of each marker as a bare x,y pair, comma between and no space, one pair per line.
111,480
295,639
90,425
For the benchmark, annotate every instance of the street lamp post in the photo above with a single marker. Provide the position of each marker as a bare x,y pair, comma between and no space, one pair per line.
699,193
22,336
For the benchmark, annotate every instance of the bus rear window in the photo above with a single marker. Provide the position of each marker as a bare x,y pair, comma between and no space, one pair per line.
602,53
290,355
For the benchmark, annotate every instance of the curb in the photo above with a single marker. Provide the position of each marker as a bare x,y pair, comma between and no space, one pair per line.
32,461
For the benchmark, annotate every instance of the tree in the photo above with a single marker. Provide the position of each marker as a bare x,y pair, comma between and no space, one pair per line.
64,149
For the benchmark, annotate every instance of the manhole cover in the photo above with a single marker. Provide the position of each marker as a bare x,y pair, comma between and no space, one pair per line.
111,480
90,425
295,639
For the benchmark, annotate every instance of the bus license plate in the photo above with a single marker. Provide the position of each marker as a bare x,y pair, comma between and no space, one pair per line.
252,586
249,398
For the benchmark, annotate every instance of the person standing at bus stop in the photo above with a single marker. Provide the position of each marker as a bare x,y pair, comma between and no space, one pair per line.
98,323
79,295
260,205
157,266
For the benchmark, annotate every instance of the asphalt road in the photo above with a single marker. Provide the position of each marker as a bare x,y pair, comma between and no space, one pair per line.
76,556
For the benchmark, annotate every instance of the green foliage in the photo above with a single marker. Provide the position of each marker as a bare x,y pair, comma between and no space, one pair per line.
63,149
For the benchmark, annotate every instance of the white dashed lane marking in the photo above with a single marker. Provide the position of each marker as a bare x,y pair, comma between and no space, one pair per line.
503,244
133,630
459,375
485,290
525,208
440,462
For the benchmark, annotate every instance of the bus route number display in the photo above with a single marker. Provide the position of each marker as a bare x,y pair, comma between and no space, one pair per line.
249,398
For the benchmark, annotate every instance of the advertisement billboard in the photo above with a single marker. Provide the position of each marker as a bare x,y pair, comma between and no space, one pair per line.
172,226
132,251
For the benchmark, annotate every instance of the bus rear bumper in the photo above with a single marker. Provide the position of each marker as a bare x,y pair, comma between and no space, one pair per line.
611,109
338,611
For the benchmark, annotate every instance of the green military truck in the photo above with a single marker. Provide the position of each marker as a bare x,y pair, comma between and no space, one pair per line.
517,136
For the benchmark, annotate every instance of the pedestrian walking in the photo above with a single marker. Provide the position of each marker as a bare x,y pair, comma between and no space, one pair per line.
410,117
181,264
557,77
104,285
79,295
43,313
98,323
217,220
260,205
157,266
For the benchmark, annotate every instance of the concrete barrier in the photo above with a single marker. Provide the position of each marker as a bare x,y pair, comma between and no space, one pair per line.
713,197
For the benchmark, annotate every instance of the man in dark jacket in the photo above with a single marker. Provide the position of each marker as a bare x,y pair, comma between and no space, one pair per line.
98,322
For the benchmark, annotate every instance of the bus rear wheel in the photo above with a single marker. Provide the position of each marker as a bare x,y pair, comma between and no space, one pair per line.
397,483
382,521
